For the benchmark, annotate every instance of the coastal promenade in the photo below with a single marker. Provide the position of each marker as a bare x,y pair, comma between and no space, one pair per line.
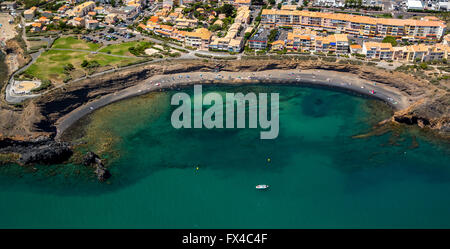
311,78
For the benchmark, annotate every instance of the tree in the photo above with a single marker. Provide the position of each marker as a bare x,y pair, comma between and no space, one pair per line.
226,9
257,2
62,25
423,66
215,27
69,67
391,40
273,34
85,63
279,6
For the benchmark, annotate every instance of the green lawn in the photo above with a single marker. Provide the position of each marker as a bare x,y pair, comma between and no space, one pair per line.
50,64
121,48
71,42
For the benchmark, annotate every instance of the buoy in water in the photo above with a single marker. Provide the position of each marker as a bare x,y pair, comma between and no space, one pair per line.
268,160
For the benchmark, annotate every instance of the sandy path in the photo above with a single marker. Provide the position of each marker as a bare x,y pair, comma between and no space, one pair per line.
341,81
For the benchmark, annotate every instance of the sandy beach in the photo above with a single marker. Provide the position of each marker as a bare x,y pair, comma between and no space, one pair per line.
320,78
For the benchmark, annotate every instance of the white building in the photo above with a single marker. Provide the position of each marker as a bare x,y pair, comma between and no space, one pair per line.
414,5
329,3
444,5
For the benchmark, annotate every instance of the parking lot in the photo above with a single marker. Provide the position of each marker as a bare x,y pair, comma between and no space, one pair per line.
110,36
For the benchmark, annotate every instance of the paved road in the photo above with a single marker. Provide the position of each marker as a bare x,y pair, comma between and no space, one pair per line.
17,98
14,98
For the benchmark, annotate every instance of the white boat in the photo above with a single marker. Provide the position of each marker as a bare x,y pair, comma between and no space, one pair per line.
262,186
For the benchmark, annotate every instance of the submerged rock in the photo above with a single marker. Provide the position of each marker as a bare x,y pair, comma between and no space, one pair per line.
102,173
89,158
100,170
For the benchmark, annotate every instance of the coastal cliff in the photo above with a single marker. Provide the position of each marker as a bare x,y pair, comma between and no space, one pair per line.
428,105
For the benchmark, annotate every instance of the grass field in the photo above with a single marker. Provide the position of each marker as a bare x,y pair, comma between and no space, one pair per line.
50,64
121,49
70,42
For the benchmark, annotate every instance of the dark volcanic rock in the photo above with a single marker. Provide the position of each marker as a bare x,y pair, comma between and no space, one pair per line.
50,153
102,173
93,159
89,158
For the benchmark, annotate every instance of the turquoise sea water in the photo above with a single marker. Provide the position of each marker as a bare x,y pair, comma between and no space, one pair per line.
320,176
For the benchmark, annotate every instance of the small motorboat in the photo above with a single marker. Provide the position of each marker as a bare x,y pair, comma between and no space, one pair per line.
262,186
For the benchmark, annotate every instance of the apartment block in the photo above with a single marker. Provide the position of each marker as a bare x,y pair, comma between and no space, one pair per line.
30,13
231,42
259,40
82,9
200,38
378,50
308,40
421,53
359,26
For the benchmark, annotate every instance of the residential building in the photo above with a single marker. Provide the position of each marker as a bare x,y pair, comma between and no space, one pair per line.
307,40
30,13
36,27
47,13
421,52
200,38
302,40
167,4
259,40
355,49
126,12
238,3
185,23
100,10
63,9
235,45
360,26
278,45
77,22
329,3
111,18
446,40
91,24
289,7
8,5
414,5
231,42
82,9
337,43
378,50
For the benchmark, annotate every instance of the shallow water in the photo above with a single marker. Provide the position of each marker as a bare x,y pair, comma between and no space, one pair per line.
320,176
